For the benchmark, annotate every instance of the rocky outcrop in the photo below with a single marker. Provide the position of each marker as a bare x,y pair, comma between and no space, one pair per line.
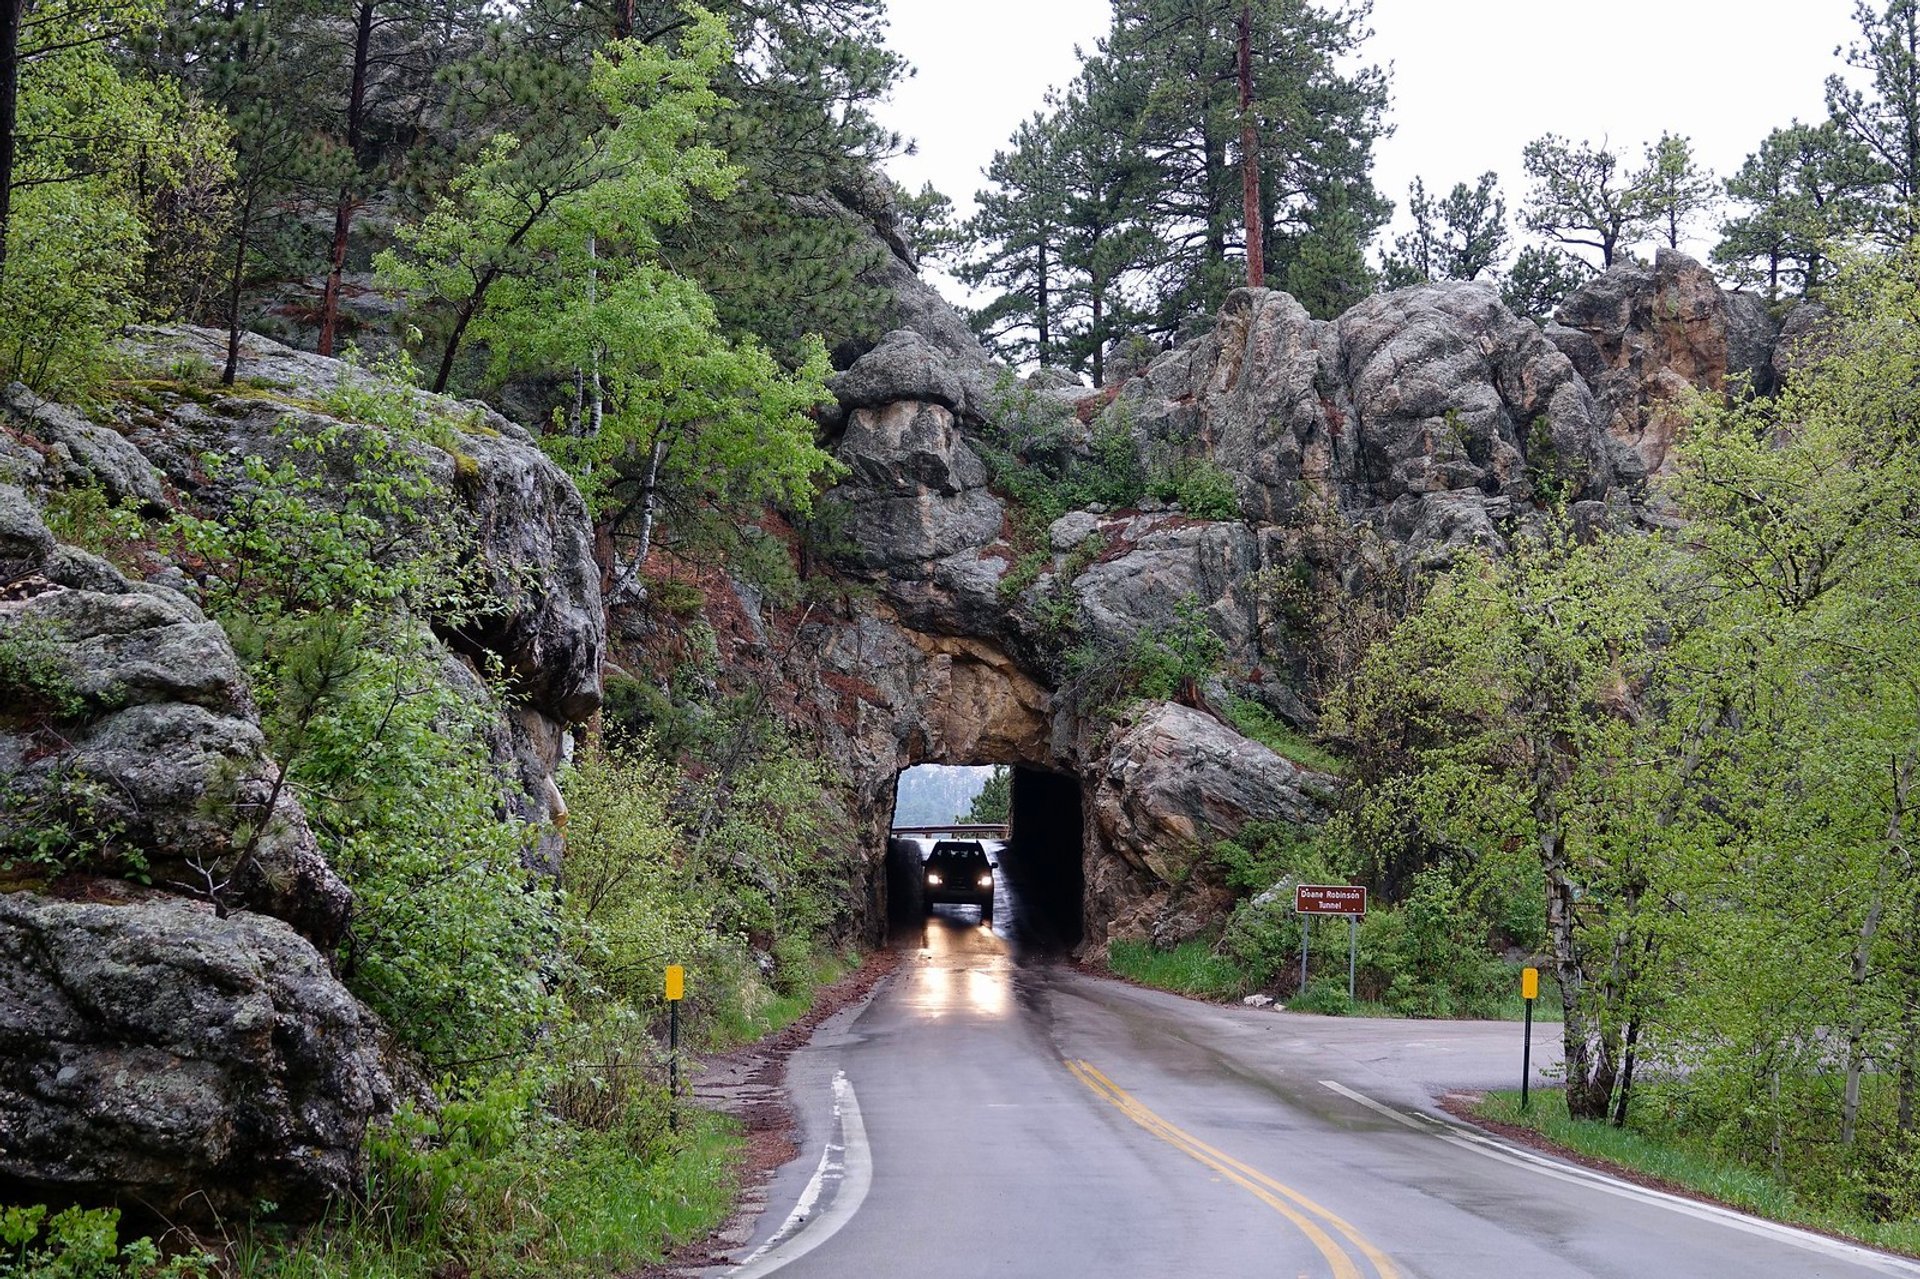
152,1051
185,1043
131,745
1647,338
533,538
1430,419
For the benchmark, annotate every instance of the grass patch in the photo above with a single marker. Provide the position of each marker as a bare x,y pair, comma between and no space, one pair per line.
1263,726
743,1020
1688,1165
1191,968
562,1202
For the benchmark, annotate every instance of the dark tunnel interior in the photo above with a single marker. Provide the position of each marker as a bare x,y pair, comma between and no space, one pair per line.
1039,867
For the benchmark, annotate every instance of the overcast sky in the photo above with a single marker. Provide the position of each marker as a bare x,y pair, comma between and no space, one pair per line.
1473,80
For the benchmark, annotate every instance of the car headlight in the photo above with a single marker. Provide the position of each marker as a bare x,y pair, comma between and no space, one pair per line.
986,881
933,877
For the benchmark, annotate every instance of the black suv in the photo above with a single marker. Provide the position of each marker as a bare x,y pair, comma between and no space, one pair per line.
957,871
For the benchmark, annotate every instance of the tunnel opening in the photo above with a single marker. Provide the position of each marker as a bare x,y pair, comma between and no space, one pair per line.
1036,859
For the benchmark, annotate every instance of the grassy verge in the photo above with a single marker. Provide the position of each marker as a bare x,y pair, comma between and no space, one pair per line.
1686,1166
562,1203
746,1020
1188,969
1194,968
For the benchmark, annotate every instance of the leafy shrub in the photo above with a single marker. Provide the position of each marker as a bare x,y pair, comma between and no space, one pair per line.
1156,665
1199,487
74,254
85,517
84,1243
1429,957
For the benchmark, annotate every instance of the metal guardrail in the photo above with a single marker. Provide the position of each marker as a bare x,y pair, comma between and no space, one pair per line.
958,828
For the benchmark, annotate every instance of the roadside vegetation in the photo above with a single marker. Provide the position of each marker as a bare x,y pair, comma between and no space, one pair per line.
1660,1144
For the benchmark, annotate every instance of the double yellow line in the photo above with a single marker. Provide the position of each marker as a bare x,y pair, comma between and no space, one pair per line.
1285,1200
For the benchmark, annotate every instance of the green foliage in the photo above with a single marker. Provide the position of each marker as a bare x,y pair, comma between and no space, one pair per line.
84,1243
67,286
34,673
63,819
568,1172
1199,487
1159,664
1459,237
1803,191
1539,280
103,160
1262,725
84,516
345,514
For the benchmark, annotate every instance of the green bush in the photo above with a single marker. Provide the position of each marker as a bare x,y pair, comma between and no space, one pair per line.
1156,665
1262,725
84,1243
1429,956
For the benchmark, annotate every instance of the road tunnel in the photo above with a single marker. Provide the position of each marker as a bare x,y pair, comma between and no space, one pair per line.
1037,866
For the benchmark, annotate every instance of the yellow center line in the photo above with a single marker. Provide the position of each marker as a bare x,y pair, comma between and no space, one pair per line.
1252,1179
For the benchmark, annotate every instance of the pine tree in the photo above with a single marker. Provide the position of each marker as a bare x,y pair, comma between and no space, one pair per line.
1886,122
1583,198
1674,189
1460,237
1173,66
1019,227
1805,189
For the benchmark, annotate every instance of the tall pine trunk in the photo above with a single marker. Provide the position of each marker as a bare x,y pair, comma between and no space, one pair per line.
1250,158
12,13
344,203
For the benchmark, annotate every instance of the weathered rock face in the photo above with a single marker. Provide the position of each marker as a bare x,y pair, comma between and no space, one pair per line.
1646,338
157,757
151,1046
151,1050
533,537
1430,416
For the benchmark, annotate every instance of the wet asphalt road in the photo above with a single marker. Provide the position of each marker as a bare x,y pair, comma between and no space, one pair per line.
1014,1118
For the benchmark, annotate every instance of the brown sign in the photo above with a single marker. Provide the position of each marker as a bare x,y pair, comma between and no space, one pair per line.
1329,899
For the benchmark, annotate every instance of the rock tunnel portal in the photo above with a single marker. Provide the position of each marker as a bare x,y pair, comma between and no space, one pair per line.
1039,865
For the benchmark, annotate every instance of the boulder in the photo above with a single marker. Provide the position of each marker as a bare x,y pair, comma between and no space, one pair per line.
1168,560
153,1052
1649,338
1799,341
904,366
88,454
534,538
915,492
1176,779
129,725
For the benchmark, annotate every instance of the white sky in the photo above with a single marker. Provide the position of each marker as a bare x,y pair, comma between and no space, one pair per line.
1473,80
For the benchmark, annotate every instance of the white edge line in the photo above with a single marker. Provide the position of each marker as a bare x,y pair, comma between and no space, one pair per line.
847,1161
1470,1139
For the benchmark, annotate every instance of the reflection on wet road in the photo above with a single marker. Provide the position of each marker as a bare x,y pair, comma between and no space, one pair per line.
1020,1117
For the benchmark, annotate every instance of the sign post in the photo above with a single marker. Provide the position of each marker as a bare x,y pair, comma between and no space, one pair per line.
1331,899
676,991
1529,991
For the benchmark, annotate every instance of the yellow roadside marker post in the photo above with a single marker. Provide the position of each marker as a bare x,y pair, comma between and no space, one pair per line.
1529,991
676,991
